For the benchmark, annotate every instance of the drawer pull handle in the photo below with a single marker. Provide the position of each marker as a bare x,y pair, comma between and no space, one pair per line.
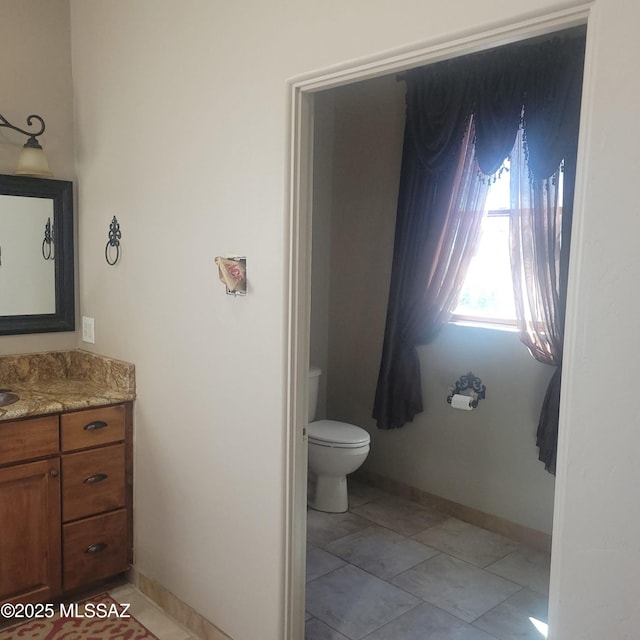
98,477
96,548
98,424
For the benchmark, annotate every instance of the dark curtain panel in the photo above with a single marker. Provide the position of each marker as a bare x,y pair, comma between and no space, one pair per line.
439,215
499,96
542,79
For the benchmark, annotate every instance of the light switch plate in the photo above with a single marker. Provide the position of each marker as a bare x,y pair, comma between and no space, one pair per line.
88,330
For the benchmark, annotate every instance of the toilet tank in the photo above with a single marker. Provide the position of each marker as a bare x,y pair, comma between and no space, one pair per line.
314,383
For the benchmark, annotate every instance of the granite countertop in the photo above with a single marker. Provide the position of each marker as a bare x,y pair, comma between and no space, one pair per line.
59,381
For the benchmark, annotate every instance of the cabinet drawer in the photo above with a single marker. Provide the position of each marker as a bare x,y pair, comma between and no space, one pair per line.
92,482
28,439
94,549
92,427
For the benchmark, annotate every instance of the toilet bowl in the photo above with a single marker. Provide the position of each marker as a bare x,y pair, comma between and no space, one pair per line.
335,450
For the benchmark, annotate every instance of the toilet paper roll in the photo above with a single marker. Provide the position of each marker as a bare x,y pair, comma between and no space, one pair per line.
459,401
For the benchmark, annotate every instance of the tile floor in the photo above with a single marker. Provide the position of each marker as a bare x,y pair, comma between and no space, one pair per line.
389,569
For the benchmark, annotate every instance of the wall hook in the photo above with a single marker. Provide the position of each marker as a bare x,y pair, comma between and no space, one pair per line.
47,243
114,241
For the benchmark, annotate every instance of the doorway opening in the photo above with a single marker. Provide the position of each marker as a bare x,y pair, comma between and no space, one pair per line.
310,98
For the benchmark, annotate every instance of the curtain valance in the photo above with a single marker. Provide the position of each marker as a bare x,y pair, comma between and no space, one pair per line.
543,80
537,84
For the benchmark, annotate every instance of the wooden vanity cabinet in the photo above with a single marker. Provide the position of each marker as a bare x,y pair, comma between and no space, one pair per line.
65,502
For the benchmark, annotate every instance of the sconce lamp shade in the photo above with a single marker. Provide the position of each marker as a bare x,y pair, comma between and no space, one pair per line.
32,161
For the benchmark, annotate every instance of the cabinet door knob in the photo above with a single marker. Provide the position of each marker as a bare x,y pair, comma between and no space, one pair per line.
97,477
98,424
96,548
54,473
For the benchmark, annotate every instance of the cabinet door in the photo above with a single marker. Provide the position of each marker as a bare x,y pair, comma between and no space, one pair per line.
30,531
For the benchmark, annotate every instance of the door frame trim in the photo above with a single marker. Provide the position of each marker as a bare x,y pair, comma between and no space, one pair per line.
299,190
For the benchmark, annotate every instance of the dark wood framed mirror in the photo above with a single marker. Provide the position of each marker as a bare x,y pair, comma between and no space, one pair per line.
36,255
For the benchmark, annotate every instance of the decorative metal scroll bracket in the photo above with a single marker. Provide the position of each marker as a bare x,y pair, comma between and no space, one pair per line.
112,256
32,135
468,385
48,243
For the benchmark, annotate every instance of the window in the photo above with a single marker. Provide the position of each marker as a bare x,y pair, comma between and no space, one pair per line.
487,292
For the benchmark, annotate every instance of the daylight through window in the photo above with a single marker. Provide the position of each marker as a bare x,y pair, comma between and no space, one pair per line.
487,293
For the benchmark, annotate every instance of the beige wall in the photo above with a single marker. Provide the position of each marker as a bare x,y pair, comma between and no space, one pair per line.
35,76
486,459
181,122
321,241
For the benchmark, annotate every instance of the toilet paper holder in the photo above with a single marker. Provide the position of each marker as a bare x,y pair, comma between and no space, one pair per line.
468,385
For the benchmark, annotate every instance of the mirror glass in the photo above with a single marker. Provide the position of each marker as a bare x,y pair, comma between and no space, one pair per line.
27,275
36,255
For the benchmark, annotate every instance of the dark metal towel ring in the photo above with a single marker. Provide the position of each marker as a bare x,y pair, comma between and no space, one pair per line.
47,243
114,241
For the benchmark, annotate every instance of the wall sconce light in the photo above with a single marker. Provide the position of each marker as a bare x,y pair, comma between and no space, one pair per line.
32,161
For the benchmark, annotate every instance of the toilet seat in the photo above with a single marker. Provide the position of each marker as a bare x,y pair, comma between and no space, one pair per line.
340,435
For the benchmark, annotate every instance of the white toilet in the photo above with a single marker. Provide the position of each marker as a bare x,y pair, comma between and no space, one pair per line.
335,449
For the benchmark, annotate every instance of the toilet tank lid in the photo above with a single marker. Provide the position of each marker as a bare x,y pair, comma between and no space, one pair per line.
337,432
314,371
